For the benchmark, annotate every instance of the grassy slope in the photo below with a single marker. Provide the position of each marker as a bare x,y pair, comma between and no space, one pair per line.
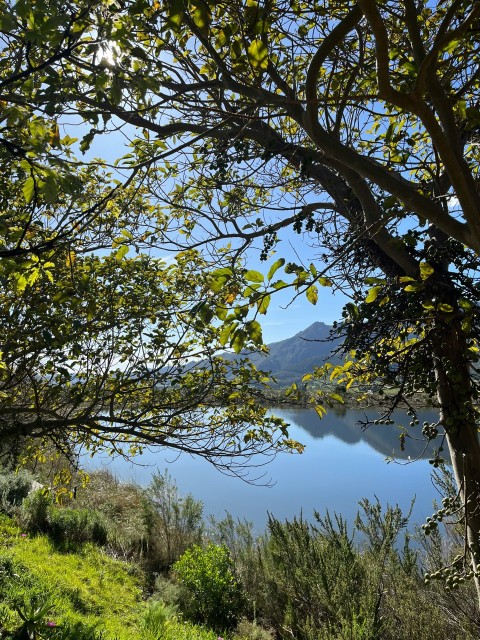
87,585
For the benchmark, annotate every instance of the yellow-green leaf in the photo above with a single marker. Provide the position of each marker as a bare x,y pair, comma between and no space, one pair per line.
445,308
312,294
253,276
201,15
274,268
29,189
320,410
413,287
258,54
122,252
263,304
372,294
426,270
325,282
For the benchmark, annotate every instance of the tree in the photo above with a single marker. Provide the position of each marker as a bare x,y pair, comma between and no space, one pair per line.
355,123
101,349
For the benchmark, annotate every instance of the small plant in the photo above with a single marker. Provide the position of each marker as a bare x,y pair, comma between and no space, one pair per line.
33,612
156,617
77,631
208,575
247,630
75,526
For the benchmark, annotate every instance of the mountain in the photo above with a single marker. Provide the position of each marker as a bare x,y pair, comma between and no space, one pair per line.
288,360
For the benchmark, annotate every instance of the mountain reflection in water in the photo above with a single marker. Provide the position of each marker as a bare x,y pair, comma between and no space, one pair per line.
344,424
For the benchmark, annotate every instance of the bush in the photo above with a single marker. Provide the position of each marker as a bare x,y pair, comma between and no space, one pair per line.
216,598
247,630
34,512
174,522
315,582
237,536
64,525
14,488
124,507
76,526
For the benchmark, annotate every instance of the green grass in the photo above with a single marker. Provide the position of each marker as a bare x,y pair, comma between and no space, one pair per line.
85,586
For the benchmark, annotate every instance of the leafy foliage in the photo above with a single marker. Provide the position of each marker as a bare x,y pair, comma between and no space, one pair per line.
215,593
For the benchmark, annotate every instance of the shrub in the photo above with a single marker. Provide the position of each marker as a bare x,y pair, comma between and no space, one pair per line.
174,522
75,526
34,512
65,526
315,581
76,631
123,506
14,488
216,598
247,630
168,591
237,536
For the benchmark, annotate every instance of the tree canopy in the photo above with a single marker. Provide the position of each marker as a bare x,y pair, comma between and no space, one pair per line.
354,123
101,343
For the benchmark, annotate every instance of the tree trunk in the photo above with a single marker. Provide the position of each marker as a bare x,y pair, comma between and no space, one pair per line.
457,416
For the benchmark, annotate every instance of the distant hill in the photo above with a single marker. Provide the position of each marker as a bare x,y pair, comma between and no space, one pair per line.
288,360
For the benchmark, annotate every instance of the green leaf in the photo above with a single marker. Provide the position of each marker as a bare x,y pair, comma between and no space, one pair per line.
253,276
258,54
217,284
325,282
254,331
202,16
465,304
372,294
49,189
29,189
175,16
312,294
225,334
375,281
238,341
414,287
274,268
321,411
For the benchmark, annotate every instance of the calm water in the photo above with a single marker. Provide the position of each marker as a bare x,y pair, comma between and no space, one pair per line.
341,464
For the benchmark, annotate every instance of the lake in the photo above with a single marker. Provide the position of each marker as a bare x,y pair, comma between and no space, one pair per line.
341,464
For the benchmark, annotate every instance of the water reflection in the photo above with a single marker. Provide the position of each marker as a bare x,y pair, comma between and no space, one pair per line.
344,424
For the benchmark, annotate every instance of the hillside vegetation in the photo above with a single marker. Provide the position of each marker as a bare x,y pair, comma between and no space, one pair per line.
119,562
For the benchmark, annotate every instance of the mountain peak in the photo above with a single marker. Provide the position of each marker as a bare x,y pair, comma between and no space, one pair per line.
289,359
316,331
